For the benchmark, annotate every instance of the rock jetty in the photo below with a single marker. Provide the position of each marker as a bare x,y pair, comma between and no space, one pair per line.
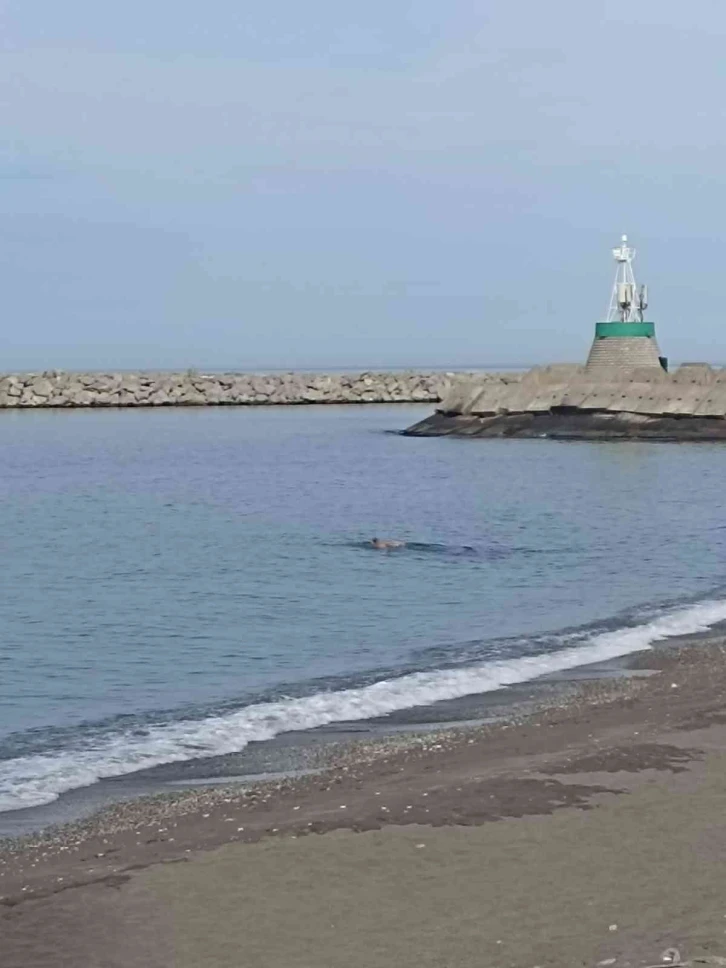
192,389
624,390
586,402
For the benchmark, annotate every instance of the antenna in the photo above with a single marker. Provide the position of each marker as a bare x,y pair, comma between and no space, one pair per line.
642,303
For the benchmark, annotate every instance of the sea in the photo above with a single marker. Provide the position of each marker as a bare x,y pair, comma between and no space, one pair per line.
190,595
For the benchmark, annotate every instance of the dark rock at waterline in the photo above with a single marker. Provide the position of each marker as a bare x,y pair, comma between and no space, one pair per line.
576,425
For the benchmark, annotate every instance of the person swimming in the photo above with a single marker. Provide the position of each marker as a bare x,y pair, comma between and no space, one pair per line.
386,544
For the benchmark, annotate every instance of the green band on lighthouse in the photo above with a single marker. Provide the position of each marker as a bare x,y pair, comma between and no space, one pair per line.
618,328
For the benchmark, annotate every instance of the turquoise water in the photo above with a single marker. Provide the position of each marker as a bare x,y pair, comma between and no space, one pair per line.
179,583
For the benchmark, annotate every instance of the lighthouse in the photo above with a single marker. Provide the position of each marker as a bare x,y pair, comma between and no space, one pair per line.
625,339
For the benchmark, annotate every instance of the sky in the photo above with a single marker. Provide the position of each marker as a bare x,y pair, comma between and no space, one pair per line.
296,184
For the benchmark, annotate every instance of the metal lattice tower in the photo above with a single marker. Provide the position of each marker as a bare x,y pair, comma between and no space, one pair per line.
627,305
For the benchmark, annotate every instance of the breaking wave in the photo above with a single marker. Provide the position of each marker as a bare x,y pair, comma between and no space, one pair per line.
40,778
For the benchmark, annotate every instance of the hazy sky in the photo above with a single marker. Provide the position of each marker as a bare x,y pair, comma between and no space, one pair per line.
311,182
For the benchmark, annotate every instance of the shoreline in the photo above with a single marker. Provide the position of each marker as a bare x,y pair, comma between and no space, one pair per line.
594,754
313,751
382,754
317,752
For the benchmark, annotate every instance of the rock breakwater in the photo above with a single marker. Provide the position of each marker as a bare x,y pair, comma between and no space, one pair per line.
190,389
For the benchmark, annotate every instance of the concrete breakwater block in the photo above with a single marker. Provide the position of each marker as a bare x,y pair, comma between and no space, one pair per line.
572,401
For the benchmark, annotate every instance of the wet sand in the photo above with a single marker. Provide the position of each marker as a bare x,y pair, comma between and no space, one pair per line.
591,830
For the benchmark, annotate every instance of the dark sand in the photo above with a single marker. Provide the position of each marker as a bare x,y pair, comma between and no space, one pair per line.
591,831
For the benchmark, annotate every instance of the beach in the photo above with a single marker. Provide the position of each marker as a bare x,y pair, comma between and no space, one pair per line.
272,744
587,830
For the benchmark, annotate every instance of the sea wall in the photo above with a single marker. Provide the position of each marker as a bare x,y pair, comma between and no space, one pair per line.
692,390
567,401
61,389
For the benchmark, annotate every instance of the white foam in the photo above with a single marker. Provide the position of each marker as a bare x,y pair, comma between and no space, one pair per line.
34,780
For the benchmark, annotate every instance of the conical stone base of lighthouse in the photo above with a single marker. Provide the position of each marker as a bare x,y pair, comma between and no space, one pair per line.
622,346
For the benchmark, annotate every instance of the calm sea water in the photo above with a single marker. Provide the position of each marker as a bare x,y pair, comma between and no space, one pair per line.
179,583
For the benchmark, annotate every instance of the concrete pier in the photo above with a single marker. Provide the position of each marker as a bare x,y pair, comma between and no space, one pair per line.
586,402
